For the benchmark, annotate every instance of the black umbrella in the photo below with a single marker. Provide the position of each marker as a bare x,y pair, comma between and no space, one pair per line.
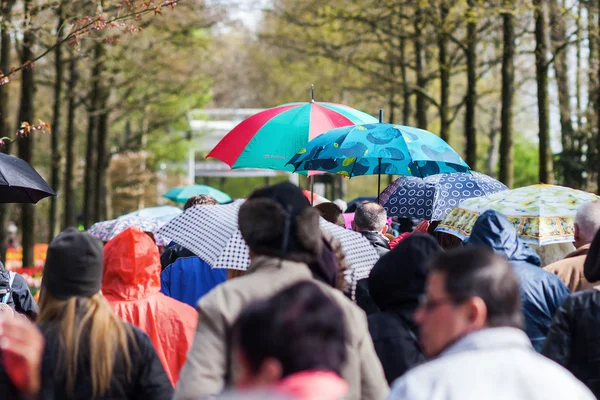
20,183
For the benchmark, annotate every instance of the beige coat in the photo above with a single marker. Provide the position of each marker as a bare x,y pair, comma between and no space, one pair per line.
206,368
570,270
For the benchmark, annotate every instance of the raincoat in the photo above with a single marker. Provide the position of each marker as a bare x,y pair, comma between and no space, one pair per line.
542,292
131,284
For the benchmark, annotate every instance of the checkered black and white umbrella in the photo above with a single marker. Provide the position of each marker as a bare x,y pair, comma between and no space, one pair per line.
211,232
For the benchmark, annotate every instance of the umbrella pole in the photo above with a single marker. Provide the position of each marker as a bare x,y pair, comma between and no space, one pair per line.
378,180
312,190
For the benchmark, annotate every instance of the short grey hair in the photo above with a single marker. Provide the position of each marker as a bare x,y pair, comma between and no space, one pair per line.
588,220
370,216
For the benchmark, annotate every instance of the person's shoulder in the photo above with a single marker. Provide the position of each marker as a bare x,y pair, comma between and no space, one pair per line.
557,377
566,264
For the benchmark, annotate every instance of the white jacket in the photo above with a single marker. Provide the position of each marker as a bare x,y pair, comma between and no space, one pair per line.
493,363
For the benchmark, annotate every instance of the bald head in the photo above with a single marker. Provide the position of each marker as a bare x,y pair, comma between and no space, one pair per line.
587,223
369,217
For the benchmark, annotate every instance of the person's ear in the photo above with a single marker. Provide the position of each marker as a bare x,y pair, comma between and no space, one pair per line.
384,230
353,226
476,313
576,232
270,371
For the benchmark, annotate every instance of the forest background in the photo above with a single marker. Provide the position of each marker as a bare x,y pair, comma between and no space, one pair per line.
95,94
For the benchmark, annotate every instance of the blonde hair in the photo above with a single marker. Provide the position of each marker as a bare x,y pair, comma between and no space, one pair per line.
90,319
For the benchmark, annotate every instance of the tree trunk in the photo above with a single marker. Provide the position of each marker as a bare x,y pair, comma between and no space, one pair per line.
541,69
444,68
471,103
25,144
5,131
69,212
405,85
508,76
101,161
561,67
56,126
421,101
578,68
89,185
592,30
597,104
492,160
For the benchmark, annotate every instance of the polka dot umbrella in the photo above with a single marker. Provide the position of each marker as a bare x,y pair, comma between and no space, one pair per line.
433,197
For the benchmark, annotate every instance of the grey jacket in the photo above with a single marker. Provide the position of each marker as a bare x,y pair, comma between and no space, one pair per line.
207,366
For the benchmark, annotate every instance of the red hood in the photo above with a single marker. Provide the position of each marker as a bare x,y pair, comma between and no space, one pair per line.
131,267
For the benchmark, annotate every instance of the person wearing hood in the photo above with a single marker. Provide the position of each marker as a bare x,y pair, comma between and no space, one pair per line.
541,291
396,283
575,331
131,284
282,232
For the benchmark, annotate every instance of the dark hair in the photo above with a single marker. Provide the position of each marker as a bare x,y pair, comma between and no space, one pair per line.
479,272
278,221
330,212
370,216
200,200
300,326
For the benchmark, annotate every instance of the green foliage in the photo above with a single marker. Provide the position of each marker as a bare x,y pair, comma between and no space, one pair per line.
526,162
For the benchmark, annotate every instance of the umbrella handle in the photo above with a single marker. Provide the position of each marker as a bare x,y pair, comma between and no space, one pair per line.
312,190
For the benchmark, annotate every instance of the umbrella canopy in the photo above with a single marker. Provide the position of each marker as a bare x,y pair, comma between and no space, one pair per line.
106,230
181,194
433,197
542,214
163,213
212,234
20,183
378,149
270,138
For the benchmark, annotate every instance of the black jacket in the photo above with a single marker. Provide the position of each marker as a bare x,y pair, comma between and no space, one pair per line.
363,298
395,284
574,337
573,340
149,380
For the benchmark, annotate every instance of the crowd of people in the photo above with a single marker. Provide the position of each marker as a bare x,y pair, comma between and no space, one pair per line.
436,318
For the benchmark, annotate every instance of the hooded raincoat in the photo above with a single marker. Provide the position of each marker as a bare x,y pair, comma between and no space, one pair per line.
542,292
131,283
395,283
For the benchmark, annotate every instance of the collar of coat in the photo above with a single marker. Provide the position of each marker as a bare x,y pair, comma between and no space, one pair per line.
263,263
582,251
489,339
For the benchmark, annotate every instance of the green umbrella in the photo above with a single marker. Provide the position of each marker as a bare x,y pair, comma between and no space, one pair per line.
180,194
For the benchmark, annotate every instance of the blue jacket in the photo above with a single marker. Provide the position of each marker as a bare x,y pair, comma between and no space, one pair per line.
542,292
186,277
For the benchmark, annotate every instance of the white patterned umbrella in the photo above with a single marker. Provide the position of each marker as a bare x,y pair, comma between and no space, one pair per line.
211,232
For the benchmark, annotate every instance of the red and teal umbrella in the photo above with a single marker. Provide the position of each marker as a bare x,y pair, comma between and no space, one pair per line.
272,137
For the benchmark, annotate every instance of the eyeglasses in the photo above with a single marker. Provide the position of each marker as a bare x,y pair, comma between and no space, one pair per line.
430,305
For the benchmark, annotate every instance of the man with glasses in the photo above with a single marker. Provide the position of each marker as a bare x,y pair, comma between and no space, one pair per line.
470,324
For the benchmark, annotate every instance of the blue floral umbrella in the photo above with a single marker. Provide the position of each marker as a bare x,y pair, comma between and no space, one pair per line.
378,149
433,197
